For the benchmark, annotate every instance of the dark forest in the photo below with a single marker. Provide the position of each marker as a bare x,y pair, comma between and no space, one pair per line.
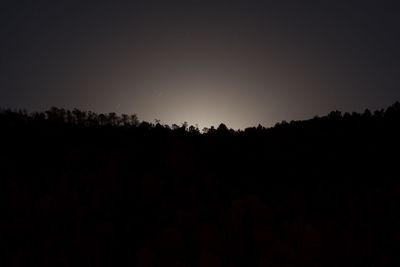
86,189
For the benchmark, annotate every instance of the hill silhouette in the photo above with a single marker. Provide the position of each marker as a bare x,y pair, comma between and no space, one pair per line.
86,189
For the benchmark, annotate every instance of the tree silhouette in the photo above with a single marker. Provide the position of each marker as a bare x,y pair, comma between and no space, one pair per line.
80,188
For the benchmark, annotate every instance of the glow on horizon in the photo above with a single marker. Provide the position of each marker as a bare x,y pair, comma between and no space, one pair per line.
207,103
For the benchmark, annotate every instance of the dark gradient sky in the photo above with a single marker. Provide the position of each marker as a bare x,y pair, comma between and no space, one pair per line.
205,62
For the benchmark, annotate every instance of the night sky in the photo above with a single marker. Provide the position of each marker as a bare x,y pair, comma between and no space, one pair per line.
205,62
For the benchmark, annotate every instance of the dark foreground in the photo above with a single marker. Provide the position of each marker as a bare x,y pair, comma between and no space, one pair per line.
81,189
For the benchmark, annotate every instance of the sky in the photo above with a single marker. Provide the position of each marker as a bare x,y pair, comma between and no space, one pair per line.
242,63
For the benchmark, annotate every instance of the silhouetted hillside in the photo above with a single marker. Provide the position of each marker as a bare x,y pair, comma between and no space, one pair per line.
86,189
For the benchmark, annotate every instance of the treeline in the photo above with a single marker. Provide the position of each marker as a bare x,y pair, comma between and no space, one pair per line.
85,189
57,116
61,117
